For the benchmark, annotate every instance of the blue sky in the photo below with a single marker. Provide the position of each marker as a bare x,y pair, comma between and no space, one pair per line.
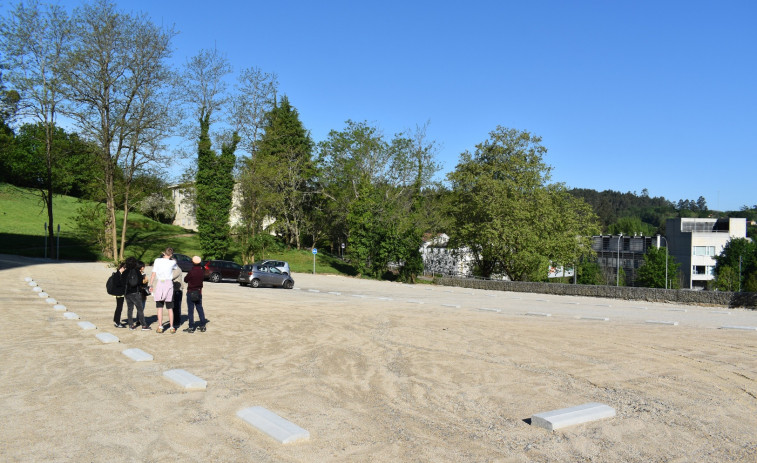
627,95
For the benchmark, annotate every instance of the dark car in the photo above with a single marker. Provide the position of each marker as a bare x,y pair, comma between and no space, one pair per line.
217,270
184,262
257,275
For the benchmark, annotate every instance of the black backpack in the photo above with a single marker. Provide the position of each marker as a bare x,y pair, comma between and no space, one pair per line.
133,280
110,285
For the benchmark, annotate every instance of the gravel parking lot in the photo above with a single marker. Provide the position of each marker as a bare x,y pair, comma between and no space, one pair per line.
375,371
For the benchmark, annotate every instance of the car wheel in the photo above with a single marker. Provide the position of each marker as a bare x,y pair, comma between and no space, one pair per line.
215,277
255,283
288,284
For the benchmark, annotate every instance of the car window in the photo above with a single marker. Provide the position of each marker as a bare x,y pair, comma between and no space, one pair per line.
235,266
275,270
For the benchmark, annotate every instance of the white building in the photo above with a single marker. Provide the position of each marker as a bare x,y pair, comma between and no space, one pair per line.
185,208
439,259
695,242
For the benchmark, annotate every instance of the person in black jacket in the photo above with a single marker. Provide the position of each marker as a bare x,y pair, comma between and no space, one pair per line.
133,279
119,289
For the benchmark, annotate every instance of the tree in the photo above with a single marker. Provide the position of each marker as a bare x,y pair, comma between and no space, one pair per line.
374,195
284,168
739,254
116,80
631,226
652,273
204,91
35,40
589,273
727,279
504,211
69,171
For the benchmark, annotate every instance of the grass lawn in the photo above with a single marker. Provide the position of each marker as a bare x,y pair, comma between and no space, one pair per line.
22,232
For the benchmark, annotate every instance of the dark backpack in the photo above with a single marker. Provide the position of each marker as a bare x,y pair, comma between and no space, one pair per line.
110,285
133,280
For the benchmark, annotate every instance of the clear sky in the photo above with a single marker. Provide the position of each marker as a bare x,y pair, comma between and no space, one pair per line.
627,95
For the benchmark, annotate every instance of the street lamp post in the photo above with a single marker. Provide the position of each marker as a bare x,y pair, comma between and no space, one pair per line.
617,274
666,258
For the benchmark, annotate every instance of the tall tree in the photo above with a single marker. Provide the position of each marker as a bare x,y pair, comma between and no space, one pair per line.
204,92
284,168
34,40
652,273
504,211
116,79
374,190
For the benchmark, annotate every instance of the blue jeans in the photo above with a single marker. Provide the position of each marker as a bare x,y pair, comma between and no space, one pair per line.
191,310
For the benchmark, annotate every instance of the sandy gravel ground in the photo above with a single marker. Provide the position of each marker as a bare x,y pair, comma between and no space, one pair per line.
375,371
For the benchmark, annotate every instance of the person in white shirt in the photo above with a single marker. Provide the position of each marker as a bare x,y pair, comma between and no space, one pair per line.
162,290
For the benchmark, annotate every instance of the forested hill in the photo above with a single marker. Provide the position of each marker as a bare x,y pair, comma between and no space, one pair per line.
611,205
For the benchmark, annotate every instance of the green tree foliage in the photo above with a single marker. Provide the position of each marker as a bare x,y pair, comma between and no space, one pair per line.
631,226
506,213
738,253
652,273
373,194
727,279
610,206
72,168
214,187
283,170
589,273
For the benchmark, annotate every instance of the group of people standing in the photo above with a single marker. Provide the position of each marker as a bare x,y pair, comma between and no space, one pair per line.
165,284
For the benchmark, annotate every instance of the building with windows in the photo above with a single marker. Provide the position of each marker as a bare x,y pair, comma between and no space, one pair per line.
696,242
438,258
626,253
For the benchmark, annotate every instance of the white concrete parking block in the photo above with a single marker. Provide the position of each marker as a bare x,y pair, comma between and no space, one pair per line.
488,309
51,300
335,293
602,305
639,307
272,424
87,326
602,319
677,310
734,327
662,322
42,294
724,312
385,299
186,379
70,316
28,279
451,305
107,338
59,307
32,283
411,301
138,355
359,295
539,314
314,290
563,417
37,289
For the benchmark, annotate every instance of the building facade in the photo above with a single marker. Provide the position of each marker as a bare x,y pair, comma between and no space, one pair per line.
185,207
696,242
440,259
626,253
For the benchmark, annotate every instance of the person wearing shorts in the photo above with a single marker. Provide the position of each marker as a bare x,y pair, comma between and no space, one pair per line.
161,286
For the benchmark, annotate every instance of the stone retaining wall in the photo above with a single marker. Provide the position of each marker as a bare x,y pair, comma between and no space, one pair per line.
680,296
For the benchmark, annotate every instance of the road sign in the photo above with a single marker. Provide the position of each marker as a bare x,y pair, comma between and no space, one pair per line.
315,251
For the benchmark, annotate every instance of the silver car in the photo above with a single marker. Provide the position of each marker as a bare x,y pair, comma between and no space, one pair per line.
279,264
257,275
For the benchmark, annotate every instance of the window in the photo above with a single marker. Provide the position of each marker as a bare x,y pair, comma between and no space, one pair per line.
698,270
704,250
